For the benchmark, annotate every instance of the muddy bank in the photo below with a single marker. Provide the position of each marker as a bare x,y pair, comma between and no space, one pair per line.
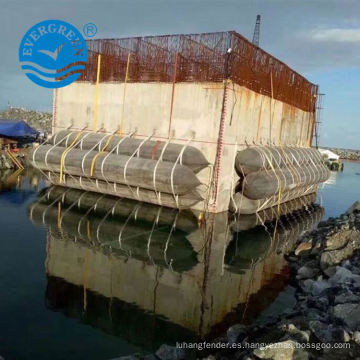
324,320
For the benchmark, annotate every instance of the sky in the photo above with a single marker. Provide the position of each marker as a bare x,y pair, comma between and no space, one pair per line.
318,38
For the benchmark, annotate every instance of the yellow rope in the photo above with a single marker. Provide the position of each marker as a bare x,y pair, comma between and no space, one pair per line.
277,178
281,129
93,162
271,105
14,160
85,278
259,120
59,215
124,92
62,159
96,99
88,232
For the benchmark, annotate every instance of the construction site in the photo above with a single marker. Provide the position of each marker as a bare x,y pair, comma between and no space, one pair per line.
209,122
170,193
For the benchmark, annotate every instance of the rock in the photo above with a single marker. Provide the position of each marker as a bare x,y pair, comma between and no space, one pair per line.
330,271
346,297
354,207
313,314
321,303
167,352
342,276
356,337
338,240
307,285
319,286
328,332
306,273
335,257
349,314
295,333
304,247
150,357
285,350
346,336
323,224
236,333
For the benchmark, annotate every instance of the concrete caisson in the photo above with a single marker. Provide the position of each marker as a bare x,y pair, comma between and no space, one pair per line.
219,116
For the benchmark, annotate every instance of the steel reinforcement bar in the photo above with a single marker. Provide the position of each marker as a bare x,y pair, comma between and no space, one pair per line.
200,58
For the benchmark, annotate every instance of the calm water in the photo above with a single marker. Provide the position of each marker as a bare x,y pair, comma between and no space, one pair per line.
85,277
341,190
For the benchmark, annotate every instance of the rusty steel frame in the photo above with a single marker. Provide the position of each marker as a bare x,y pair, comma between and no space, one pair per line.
200,58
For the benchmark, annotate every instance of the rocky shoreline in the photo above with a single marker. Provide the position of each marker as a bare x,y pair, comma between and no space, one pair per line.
346,154
39,120
325,321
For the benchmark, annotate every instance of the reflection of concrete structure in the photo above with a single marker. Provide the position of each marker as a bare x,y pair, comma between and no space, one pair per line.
197,297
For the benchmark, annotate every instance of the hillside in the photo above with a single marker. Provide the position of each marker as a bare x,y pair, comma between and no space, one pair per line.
39,120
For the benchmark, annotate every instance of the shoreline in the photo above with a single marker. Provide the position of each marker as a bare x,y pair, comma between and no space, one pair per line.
345,154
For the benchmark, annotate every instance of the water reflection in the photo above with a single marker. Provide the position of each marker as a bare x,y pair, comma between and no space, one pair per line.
341,190
17,186
153,275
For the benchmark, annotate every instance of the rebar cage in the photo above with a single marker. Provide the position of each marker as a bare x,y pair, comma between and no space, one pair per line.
207,57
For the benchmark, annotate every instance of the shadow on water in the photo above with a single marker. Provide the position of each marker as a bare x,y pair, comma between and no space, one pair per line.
153,275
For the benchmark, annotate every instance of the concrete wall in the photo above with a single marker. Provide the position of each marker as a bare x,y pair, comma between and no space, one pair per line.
248,117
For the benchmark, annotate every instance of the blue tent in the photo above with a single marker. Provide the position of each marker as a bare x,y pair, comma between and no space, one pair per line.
16,129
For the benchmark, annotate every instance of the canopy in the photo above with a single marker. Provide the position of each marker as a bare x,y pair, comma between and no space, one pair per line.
16,129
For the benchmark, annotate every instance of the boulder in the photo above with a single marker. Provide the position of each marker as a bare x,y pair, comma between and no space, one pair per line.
285,350
334,257
338,240
167,352
303,248
316,287
354,207
328,332
356,337
321,303
295,334
346,297
150,357
329,271
236,333
306,273
343,275
349,314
